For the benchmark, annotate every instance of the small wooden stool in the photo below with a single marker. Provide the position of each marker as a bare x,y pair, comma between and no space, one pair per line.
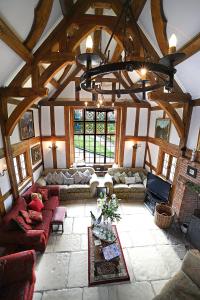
58,218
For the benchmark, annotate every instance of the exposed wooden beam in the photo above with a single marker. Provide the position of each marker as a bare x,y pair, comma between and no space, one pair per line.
66,7
58,56
196,102
50,72
52,81
169,97
64,74
137,7
23,92
174,116
11,39
73,103
102,4
41,17
190,48
125,85
159,23
65,83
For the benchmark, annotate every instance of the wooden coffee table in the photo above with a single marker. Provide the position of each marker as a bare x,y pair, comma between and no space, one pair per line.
101,271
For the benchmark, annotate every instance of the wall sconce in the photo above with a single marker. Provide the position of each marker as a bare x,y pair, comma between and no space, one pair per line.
135,146
2,173
54,146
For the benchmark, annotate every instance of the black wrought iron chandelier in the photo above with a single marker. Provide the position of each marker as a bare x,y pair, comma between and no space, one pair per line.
162,71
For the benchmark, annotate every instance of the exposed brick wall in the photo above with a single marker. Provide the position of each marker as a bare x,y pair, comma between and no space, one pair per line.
185,201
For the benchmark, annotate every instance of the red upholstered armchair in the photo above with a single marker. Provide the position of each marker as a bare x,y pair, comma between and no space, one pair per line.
17,276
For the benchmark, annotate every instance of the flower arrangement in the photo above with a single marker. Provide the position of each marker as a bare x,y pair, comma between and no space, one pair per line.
109,207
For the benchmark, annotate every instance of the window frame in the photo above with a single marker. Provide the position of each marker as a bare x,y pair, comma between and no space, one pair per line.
169,167
22,179
84,121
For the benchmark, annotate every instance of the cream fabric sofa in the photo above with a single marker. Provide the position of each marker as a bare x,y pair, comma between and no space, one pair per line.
74,191
125,191
185,285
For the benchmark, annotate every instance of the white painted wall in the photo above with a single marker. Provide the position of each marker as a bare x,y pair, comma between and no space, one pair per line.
194,128
36,122
139,162
128,151
61,154
59,120
4,180
130,120
48,157
45,121
37,173
154,149
8,203
143,120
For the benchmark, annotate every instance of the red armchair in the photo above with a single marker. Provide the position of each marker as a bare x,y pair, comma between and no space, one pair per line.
17,276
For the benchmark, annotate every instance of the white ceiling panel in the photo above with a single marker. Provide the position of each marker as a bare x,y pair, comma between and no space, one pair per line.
19,15
9,62
183,19
145,22
189,74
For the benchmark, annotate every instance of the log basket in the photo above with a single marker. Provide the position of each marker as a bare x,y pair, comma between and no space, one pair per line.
163,216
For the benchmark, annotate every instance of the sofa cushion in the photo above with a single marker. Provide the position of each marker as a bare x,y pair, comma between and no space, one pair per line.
44,192
48,178
86,177
21,224
54,178
121,188
116,177
129,180
35,216
78,188
139,187
77,177
45,224
138,179
122,177
69,181
36,195
29,191
26,217
20,204
36,204
59,178
67,175
52,203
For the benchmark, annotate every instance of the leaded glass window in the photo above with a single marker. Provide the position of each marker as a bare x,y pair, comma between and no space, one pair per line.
94,136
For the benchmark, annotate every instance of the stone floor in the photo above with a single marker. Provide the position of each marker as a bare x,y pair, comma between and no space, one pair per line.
152,256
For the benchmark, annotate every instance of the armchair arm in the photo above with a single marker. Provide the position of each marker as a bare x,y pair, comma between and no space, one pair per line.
93,184
17,266
21,238
41,181
109,183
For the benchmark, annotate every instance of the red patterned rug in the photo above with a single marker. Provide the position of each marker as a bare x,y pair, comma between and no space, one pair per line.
101,271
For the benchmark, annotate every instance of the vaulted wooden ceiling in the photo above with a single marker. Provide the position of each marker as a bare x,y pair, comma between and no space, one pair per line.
49,60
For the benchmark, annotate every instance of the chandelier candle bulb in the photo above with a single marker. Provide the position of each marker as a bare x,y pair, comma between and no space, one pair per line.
172,44
89,44
143,72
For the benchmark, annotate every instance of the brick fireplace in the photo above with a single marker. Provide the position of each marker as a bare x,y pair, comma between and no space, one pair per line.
185,201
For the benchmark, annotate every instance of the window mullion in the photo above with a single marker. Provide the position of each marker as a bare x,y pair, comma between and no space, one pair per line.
105,137
95,134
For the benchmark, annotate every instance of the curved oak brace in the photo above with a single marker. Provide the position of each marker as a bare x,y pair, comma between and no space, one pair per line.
159,24
29,101
41,17
174,116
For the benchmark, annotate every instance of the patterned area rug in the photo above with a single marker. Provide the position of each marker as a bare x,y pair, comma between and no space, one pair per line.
101,271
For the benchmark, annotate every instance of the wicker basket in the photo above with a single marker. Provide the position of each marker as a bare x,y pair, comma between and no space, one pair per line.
163,215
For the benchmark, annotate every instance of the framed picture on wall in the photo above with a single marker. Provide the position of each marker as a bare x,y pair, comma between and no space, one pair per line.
26,126
162,129
198,142
36,154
